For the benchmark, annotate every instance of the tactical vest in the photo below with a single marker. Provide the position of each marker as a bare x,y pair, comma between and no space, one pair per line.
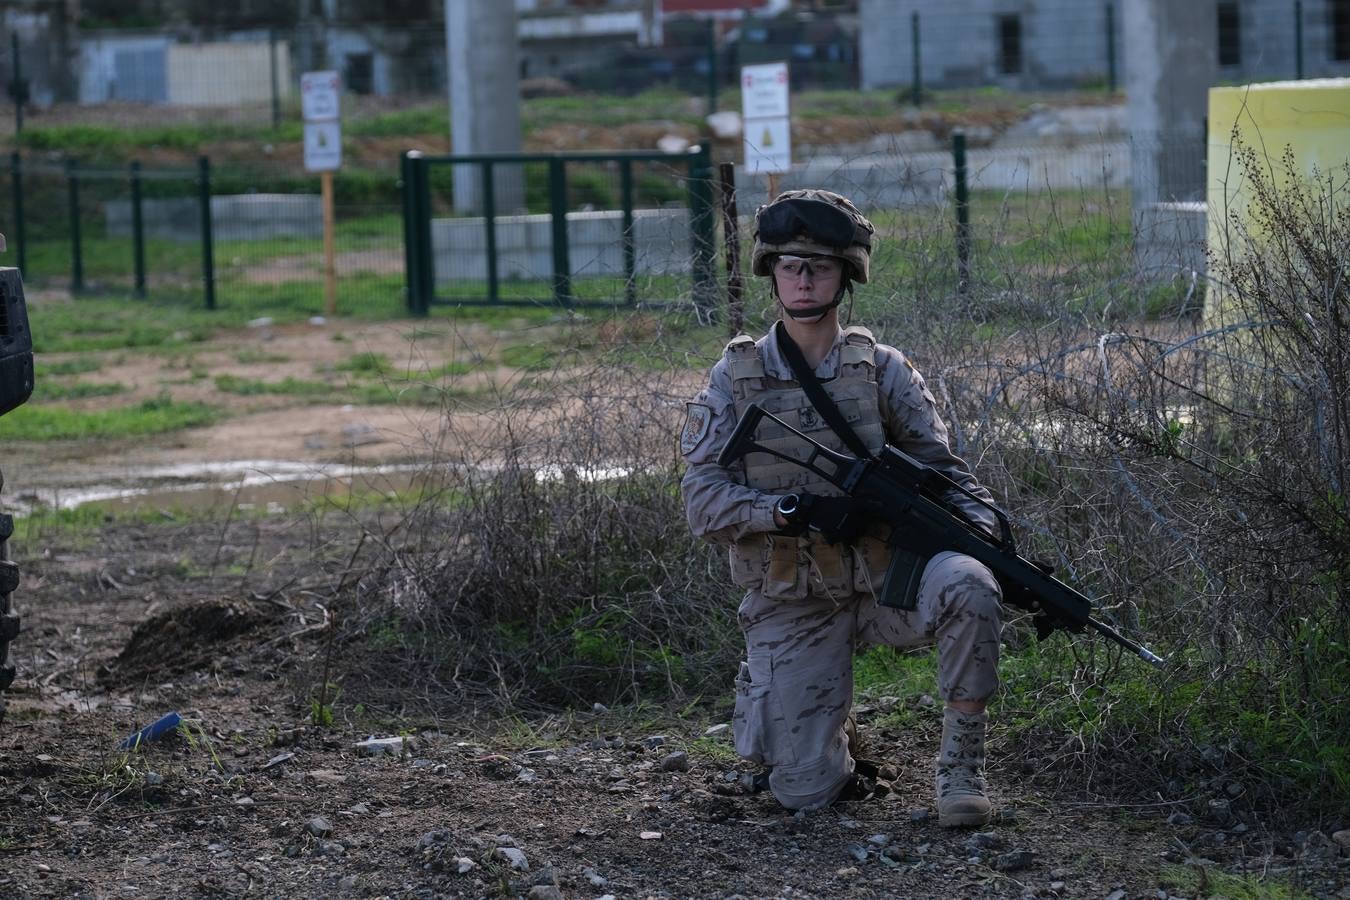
785,567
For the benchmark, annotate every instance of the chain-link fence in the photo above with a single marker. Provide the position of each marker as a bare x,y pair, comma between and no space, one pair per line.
229,236
614,229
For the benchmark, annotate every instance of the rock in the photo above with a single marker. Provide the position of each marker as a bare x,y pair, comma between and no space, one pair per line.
395,746
599,708
278,760
649,835
1057,886
330,848
513,857
433,838
675,762
857,851
545,876
545,892
725,124
594,879
925,701
464,865
656,740
359,809
1179,818
1014,860
1116,895
918,815
261,322
1221,811
153,778
672,143
319,827
1235,790
717,730
1342,839
984,840
879,840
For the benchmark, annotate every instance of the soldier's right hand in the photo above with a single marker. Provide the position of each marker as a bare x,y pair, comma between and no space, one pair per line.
841,520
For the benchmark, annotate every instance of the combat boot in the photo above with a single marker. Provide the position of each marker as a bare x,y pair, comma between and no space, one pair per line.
961,800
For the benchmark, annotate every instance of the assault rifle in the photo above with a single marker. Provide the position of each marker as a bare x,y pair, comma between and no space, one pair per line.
913,498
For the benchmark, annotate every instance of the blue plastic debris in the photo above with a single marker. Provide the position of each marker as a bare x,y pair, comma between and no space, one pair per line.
152,732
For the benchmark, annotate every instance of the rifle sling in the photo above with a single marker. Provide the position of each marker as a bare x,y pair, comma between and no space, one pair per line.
817,395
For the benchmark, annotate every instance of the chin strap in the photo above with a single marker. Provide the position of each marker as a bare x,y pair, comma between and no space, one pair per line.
814,311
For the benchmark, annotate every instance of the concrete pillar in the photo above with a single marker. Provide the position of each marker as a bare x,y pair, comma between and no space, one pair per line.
484,74
1171,59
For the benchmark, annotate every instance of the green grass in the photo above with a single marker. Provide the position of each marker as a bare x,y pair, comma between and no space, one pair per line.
47,391
49,423
1204,882
291,387
78,366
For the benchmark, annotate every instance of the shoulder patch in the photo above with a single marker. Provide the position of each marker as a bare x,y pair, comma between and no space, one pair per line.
697,420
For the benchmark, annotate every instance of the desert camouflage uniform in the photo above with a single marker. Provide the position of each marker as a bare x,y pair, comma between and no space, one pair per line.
809,605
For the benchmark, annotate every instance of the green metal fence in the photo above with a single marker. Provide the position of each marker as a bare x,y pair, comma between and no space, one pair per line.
618,229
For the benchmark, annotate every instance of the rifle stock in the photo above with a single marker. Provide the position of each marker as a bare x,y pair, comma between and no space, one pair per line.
912,498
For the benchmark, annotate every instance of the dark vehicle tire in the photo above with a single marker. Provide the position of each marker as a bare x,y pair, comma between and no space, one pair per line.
9,622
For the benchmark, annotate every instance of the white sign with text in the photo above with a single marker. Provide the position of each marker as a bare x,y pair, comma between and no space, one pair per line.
767,134
319,96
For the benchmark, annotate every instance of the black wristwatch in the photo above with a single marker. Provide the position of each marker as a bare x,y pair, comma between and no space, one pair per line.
787,506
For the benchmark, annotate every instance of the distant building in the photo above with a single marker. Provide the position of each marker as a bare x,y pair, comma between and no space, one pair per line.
1063,43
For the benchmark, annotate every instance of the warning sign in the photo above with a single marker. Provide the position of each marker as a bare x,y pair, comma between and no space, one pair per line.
768,125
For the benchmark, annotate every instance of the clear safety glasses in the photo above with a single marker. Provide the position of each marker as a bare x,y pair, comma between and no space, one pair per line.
816,267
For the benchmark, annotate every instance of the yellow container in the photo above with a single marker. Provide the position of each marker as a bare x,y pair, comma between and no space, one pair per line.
1310,118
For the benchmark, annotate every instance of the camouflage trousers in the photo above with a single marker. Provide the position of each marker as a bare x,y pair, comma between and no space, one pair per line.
795,688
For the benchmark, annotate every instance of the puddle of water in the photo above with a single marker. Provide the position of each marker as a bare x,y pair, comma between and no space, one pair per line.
270,485
273,485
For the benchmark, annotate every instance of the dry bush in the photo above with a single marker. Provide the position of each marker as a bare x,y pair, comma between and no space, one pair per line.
547,560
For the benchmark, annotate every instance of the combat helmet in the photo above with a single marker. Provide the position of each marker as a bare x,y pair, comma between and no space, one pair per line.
812,222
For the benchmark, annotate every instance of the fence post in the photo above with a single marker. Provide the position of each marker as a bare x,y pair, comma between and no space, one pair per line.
629,248
276,82
962,214
1298,39
76,250
702,229
712,66
137,229
917,86
1111,48
490,221
731,237
16,174
17,89
208,250
410,261
557,202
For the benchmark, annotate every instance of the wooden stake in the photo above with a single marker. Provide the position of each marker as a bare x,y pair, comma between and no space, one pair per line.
329,253
773,185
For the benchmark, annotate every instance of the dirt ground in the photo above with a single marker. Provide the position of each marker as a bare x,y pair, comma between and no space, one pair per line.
221,621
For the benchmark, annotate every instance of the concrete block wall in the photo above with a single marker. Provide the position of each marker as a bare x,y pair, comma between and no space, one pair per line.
239,217
595,245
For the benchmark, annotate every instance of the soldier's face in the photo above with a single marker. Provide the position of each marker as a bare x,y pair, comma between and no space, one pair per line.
804,282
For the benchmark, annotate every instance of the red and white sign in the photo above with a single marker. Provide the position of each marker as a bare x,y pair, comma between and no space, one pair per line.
319,96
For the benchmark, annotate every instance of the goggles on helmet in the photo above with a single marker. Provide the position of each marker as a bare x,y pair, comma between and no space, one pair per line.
815,266
823,222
